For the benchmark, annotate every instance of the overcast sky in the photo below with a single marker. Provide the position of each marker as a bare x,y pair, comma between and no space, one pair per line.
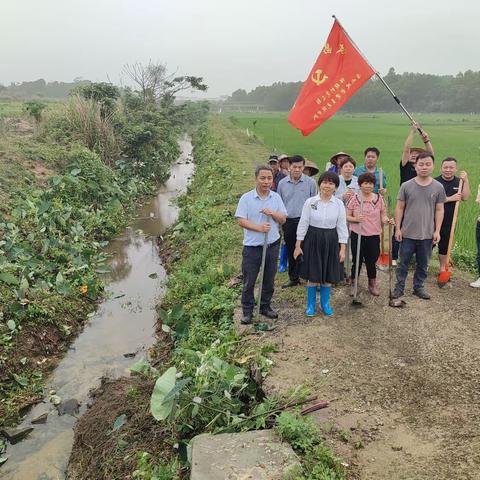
232,44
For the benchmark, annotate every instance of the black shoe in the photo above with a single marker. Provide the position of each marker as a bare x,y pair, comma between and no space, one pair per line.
247,319
396,294
269,313
291,283
421,293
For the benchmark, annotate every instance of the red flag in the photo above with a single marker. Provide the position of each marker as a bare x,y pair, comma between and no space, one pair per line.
340,70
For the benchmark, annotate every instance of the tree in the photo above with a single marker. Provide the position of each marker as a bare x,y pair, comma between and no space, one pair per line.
155,84
103,93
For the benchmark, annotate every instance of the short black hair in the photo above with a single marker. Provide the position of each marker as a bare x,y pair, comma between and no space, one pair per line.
371,149
296,159
423,155
329,177
367,177
346,159
263,167
449,159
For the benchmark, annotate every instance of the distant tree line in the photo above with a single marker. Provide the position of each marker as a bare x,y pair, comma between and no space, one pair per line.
40,89
418,91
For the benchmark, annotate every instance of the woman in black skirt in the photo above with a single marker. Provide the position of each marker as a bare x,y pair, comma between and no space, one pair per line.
322,236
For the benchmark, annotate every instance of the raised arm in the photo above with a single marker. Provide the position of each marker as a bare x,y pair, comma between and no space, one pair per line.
466,186
408,144
427,142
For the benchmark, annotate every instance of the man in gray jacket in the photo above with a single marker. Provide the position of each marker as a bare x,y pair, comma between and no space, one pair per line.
294,190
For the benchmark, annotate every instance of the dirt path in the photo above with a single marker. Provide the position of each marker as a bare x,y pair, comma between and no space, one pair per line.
403,383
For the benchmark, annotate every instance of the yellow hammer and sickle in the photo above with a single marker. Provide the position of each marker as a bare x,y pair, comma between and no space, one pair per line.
319,77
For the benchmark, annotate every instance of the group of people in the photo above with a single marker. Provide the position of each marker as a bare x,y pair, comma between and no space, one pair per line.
349,205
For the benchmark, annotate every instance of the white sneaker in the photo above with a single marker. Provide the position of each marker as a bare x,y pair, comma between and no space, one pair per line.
394,263
475,284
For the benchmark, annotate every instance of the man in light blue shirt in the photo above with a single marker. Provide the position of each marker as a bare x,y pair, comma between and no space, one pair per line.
294,190
260,211
371,159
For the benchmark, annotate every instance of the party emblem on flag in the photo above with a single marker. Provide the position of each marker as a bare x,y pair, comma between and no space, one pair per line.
340,70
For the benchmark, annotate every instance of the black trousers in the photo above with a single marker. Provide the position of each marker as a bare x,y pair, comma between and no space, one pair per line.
290,237
251,262
369,253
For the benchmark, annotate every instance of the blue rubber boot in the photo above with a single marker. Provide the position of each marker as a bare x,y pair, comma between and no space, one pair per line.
283,266
325,300
311,301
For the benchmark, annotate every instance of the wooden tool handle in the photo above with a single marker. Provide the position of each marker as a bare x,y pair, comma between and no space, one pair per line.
454,222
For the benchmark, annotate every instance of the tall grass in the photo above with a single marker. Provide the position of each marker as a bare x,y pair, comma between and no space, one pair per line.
82,121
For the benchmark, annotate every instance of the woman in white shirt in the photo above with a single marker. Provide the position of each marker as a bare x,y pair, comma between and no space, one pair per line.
321,242
348,185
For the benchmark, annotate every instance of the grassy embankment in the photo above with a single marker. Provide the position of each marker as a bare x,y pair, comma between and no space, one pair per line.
64,190
208,376
452,135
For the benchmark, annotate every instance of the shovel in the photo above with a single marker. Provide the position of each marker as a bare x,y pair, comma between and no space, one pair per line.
392,302
356,302
444,277
260,278
383,259
347,258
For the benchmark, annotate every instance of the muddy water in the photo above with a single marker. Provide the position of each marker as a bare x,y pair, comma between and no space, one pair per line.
122,326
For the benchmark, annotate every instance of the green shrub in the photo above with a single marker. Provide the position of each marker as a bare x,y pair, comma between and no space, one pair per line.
34,109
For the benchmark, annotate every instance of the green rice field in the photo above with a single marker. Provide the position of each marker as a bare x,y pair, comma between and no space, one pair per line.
456,135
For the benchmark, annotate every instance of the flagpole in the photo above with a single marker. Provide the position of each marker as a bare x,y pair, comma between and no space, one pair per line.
379,76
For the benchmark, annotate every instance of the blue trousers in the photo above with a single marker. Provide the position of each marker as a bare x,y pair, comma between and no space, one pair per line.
422,250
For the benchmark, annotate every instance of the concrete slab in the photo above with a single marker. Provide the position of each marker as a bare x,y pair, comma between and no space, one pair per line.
257,455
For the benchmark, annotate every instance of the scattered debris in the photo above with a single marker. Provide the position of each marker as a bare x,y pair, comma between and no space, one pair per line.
15,435
69,407
40,419
236,280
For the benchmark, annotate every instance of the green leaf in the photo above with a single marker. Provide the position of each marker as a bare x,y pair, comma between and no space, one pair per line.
8,278
164,317
56,180
119,422
11,325
61,285
75,172
177,312
44,206
178,386
24,284
23,381
143,367
3,460
163,386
